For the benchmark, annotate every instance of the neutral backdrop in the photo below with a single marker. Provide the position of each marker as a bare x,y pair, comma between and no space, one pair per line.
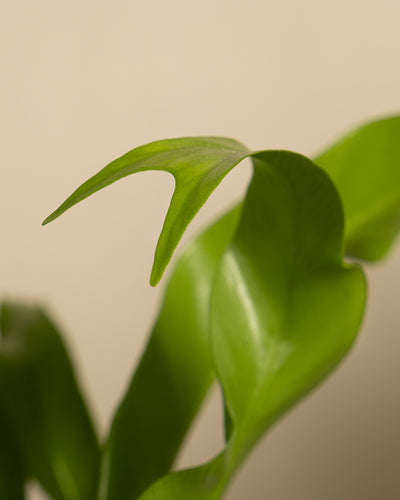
83,82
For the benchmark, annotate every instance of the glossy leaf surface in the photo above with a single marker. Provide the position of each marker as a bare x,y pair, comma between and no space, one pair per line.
173,376
365,167
42,403
198,165
284,310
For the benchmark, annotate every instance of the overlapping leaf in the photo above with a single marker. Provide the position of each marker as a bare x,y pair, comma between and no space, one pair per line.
173,376
43,406
284,310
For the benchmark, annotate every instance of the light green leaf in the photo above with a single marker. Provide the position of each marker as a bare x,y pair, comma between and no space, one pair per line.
198,165
365,167
173,376
284,310
42,403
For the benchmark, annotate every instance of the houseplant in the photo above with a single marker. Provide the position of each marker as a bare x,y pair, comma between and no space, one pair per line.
262,299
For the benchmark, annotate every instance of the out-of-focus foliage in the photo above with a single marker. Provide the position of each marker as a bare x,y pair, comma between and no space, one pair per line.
43,407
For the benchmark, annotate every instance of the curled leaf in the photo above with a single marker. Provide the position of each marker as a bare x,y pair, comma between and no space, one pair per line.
198,165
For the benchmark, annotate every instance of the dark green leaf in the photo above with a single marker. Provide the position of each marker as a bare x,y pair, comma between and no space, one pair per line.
198,165
173,376
365,167
43,404
11,468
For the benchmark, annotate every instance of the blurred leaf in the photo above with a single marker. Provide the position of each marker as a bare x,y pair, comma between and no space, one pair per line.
284,310
365,167
198,165
43,404
173,376
11,469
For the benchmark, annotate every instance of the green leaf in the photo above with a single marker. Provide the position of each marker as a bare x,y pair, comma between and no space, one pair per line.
198,165
11,468
285,309
365,167
42,402
173,376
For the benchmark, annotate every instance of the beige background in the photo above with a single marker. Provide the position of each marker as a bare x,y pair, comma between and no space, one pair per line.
84,81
